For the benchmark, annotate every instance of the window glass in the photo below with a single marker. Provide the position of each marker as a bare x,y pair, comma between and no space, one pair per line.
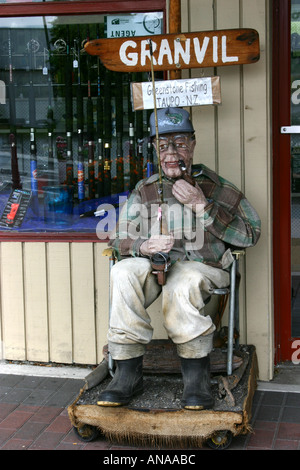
69,140
295,167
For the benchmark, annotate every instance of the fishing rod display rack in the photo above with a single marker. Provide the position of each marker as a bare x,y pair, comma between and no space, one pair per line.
65,99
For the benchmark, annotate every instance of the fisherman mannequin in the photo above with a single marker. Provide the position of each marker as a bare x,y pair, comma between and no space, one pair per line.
199,262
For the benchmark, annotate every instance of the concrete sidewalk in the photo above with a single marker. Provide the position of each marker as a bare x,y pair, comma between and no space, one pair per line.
34,401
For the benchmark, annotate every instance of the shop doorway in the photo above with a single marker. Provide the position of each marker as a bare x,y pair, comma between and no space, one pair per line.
286,178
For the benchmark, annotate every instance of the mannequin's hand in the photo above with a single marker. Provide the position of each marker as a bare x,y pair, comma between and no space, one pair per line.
157,243
188,194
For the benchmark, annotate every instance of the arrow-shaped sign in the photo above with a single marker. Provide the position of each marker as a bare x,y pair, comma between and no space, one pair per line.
178,51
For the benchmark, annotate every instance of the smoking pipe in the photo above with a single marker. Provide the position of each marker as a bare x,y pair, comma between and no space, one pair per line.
185,174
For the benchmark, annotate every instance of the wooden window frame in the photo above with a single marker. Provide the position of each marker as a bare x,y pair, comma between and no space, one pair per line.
79,8
282,181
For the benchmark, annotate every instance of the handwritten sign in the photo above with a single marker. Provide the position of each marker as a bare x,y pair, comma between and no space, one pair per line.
178,51
176,93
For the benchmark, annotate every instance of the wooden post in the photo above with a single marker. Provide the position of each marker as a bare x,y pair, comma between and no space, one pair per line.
175,27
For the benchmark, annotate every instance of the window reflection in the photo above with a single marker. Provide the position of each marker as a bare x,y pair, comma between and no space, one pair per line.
69,139
295,167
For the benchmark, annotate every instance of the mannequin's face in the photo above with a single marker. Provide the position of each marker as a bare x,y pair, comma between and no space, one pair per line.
175,147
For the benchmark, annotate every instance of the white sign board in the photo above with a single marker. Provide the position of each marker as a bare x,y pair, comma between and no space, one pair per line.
135,24
176,93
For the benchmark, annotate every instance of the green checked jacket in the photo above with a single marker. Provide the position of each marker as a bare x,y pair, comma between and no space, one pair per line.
228,221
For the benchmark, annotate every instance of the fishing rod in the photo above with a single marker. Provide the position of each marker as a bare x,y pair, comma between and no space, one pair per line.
12,101
149,166
50,123
16,182
90,129
50,112
132,163
120,164
80,167
69,165
100,177
32,46
160,189
139,144
107,125
89,105
107,170
33,171
80,125
99,130
91,170
160,261
69,112
131,151
119,132
50,164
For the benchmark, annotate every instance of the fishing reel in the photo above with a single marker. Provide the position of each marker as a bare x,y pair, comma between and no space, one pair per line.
161,264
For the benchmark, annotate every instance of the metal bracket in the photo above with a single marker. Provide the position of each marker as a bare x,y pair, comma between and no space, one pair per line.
238,253
290,130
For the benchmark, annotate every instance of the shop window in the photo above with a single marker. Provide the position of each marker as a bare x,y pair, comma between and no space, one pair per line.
69,140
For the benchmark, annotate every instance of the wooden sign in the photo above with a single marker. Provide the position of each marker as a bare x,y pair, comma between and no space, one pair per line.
178,51
176,93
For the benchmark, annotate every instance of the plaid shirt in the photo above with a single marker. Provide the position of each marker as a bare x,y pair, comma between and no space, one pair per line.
228,220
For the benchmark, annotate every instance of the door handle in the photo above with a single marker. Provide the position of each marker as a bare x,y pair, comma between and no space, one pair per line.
290,130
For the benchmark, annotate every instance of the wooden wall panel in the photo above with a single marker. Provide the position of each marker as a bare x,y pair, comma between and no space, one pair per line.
83,303
101,297
230,129
12,301
59,302
2,354
201,18
258,186
36,308
54,302
230,125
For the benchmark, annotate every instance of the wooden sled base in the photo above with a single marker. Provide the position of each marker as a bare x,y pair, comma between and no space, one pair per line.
156,418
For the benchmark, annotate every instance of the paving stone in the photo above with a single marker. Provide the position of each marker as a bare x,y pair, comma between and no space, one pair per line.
15,395
30,430
47,441
60,424
34,416
5,434
289,431
46,414
291,414
6,409
15,420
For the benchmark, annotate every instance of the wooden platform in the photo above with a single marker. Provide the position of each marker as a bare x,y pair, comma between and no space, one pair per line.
156,416
161,358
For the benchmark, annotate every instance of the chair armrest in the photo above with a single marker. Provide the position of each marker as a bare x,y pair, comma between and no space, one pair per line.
238,253
108,252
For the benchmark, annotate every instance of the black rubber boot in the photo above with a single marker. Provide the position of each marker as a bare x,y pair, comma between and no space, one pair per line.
126,383
197,393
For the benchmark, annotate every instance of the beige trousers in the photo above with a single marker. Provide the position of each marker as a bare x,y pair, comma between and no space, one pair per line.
134,288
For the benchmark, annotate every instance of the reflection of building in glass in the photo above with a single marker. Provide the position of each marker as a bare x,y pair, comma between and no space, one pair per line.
52,89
